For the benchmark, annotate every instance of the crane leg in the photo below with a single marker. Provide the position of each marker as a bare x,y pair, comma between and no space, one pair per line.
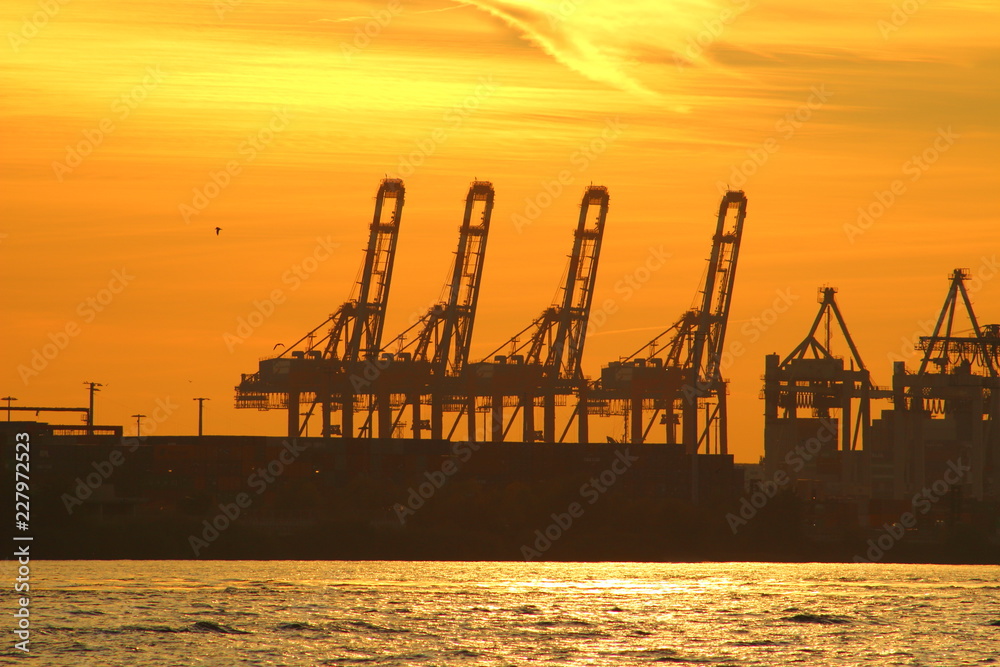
327,411
415,413
437,417
549,419
384,416
528,417
293,414
496,423
637,420
347,416
471,416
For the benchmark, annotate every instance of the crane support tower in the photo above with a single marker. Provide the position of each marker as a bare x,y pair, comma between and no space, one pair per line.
678,374
949,409
811,398
425,363
542,364
321,371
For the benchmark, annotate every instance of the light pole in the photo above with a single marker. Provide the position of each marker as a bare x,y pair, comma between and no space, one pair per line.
90,414
138,425
8,399
201,409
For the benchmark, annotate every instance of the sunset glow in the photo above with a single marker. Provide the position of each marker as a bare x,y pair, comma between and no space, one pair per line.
864,135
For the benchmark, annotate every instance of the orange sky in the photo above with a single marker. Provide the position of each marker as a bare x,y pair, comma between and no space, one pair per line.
299,107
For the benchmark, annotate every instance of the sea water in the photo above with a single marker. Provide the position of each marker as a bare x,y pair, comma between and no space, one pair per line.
221,613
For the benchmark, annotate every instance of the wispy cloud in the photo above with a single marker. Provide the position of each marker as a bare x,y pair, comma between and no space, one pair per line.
567,41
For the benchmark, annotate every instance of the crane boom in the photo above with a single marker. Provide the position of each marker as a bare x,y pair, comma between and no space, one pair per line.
435,357
713,316
684,363
321,369
363,316
548,363
566,353
559,333
446,332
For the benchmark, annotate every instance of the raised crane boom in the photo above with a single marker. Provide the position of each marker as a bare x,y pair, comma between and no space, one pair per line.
447,327
684,362
713,318
321,369
566,353
433,360
548,363
363,316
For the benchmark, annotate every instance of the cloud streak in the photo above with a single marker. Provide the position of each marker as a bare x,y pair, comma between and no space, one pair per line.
567,42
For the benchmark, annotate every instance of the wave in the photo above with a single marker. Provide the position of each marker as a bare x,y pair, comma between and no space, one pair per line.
209,626
296,626
375,628
822,619
662,655
198,626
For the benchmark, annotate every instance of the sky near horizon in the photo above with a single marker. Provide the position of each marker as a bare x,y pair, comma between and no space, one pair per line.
863,133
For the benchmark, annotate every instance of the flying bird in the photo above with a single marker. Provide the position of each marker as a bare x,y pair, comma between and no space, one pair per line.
217,230
277,345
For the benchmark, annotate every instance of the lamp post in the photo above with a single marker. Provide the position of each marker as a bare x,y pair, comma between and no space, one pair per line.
201,409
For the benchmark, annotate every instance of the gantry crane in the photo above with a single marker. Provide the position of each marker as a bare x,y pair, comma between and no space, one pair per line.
543,360
949,355
429,358
811,378
318,370
949,409
946,349
682,366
